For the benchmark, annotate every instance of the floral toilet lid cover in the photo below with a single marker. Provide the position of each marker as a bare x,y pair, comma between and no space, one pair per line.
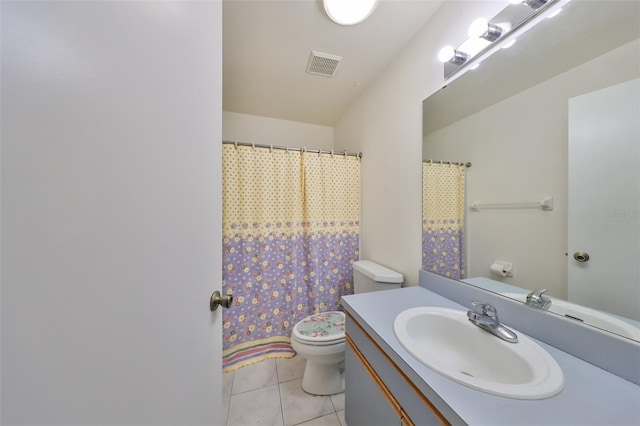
322,327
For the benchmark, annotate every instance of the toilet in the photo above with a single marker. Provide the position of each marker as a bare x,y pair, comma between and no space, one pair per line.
319,338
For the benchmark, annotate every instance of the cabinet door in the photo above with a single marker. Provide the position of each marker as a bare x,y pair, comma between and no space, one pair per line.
367,405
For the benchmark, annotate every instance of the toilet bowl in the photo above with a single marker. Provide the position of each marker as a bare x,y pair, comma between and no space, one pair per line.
319,338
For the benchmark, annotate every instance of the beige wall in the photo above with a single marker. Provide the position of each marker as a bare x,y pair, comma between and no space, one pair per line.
385,123
272,131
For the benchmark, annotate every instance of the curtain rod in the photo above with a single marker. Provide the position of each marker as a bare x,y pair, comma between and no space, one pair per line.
447,162
291,148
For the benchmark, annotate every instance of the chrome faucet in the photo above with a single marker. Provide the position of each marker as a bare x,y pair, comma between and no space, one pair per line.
537,299
487,319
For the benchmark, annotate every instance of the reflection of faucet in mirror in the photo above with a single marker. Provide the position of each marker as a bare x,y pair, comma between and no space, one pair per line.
538,299
487,319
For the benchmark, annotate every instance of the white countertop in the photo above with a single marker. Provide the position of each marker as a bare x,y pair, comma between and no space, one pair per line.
591,396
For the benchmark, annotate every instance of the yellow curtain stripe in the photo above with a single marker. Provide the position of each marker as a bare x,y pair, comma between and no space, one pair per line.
443,194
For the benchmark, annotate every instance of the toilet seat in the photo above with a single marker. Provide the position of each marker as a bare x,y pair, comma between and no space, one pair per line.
326,328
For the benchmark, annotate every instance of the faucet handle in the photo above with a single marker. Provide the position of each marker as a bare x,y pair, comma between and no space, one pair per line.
538,299
486,308
539,292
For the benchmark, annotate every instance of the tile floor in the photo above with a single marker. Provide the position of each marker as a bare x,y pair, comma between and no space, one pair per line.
270,393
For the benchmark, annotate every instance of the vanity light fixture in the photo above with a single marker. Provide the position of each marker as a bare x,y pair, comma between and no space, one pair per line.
472,46
449,54
481,28
533,4
509,43
349,12
487,36
554,13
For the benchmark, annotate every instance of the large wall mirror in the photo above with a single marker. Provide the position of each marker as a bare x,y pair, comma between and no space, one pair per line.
555,117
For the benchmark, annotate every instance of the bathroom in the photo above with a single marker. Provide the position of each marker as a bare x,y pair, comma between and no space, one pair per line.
378,242
384,123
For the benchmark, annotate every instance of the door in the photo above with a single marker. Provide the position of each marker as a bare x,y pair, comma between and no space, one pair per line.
604,199
111,221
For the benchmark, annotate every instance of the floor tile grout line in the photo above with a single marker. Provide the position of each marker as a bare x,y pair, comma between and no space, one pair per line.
226,420
277,371
279,392
315,418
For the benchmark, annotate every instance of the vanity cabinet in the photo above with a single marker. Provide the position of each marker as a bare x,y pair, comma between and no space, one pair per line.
368,404
377,391
385,385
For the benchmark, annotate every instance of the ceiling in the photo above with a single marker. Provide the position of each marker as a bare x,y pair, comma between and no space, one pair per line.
267,44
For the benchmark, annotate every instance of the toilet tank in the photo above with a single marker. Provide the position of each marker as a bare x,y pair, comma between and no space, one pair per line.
370,276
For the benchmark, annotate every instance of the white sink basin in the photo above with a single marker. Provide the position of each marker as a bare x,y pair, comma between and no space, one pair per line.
586,315
448,343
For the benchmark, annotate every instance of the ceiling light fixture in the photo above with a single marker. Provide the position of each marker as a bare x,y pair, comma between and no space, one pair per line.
349,12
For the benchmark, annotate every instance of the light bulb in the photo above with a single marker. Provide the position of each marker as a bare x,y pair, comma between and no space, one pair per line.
446,54
449,54
473,46
478,28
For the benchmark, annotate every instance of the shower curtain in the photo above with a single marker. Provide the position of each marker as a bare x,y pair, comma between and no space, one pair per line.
443,204
290,236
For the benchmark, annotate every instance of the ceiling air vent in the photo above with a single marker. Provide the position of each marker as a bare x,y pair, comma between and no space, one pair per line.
323,64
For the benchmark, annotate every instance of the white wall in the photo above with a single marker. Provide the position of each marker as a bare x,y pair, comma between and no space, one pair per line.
273,131
111,220
385,123
521,157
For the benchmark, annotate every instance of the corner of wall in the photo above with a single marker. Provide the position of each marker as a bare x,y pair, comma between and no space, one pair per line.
385,124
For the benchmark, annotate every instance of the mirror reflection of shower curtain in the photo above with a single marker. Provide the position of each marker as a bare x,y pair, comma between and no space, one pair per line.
443,206
290,235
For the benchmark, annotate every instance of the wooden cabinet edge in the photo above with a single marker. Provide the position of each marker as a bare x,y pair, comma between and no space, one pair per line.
394,403
376,379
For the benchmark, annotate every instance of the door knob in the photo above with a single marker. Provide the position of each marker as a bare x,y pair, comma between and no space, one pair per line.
581,256
218,300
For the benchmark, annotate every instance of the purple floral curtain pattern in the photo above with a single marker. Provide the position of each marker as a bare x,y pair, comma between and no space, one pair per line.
443,204
290,234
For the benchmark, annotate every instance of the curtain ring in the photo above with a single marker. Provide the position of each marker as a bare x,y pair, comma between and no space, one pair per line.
331,153
304,149
287,148
345,153
270,147
253,145
236,144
